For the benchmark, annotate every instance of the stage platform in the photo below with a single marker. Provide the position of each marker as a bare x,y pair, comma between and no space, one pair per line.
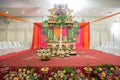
83,57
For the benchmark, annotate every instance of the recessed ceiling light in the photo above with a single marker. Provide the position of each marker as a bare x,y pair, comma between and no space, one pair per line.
22,12
102,12
38,12
6,12
86,12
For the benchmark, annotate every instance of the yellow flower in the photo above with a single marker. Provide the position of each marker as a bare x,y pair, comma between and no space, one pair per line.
116,78
71,74
81,75
58,71
15,78
24,75
102,78
103,74
92,78
119,69
64,71
61,76
69,79
27,77
28,72
7,78
19,70
100,69
112,69
35,74
12,74
55,76
24,69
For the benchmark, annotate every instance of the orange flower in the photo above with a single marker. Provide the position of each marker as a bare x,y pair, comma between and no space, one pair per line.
58,71
50,78
15,78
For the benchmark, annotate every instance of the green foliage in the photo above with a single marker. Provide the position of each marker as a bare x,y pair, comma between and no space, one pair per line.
27,67
108,66
65,73
61,20
69,70
75,24
45,23
105,71
31,77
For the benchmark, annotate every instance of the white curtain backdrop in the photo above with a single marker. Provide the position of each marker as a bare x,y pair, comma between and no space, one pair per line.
115,31
100,32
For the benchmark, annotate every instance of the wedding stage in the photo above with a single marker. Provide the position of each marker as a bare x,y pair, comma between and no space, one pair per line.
83,57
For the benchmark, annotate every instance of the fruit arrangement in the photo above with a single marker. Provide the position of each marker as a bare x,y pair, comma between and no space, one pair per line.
45,56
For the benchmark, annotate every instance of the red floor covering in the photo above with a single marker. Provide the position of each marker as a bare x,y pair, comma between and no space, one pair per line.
84,56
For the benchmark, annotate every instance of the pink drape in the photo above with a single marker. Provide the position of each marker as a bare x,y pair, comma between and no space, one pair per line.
64,31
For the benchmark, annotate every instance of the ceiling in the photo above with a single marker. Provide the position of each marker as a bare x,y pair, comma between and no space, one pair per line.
40,7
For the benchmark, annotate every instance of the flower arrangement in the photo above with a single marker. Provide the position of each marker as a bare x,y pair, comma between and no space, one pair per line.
44,54
45,57
107,72
67,73
102,72
23,74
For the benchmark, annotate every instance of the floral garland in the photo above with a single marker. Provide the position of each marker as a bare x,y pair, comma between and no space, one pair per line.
23,74
102,72
67,73
107,72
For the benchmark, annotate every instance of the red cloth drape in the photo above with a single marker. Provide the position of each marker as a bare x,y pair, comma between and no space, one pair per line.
83,39
38,38
64,31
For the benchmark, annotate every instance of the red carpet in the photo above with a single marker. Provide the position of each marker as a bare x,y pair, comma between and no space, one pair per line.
84,56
